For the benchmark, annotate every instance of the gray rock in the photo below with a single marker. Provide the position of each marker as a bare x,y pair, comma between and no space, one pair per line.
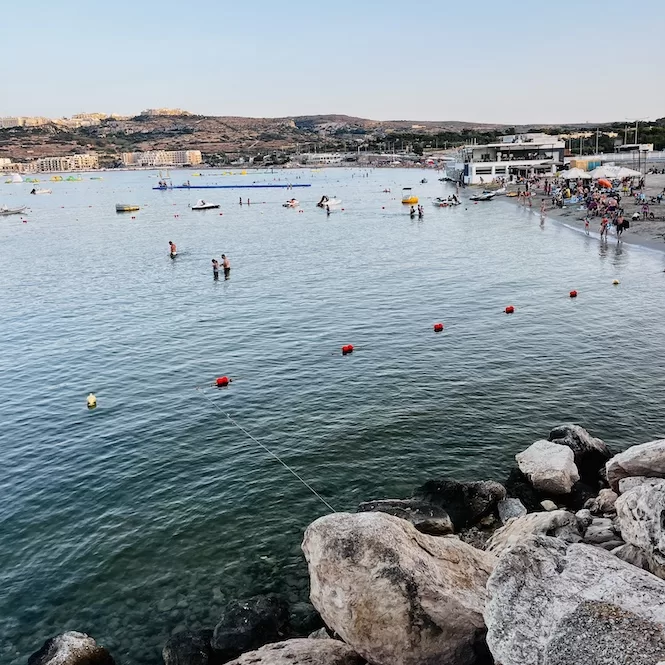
558,523
549,467
302,652
647,459
395,595
611,545
189,648
632,555
606,500
597,633
466,502
320,634
71,648
600,531
590,453
303,619
249,624
548,505
640,514
510,508
541,589
626,484
426,517
584,518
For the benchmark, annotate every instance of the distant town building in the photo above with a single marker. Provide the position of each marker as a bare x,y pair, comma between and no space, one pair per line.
5,161
90,116
8,122
162,158
20,121
313,158
153,112
85,162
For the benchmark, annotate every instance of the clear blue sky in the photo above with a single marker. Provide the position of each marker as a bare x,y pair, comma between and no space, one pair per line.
485,61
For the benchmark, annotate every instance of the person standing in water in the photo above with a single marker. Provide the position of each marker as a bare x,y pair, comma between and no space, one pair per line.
173,250
215,269
226,264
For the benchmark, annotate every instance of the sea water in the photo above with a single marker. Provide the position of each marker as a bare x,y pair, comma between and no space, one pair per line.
142,517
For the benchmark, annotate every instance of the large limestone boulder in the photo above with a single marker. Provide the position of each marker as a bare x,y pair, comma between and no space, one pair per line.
647,459
71,648
397,596
590,453
640,514
426,517
545,590
557,523
466,502
248,624
301,652
549,467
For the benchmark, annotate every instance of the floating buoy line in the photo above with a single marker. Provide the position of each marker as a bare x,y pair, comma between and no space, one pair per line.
270,452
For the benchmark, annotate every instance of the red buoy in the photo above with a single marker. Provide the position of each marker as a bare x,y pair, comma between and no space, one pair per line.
573,294
438,327
346,349
222,381
510,309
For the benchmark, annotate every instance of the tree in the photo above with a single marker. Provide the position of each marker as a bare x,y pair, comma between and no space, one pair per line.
418,148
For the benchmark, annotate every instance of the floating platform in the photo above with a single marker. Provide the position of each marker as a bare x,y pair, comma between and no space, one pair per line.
273,186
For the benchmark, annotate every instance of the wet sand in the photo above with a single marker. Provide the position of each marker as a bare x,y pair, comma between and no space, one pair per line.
648,233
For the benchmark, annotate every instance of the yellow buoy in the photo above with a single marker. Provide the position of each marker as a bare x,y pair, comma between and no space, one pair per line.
92,401
615,282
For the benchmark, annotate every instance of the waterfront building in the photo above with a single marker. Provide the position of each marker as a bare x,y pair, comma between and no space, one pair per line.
83,162
159,158
321,158
515,156
11,121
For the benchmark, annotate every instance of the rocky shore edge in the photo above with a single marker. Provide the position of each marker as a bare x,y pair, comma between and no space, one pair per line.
563,563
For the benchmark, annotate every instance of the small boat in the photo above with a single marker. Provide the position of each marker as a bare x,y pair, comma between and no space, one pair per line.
73,178
501,190
56,178
446,203
293,203
485,196
423,181
125,207
408,198
202,205
41,191
4,211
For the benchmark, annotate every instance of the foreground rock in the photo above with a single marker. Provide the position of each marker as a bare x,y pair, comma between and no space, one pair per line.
71,648
640,514
549,467
557,523
590,454
509,509
249,624
426,517
302,652
466,502
189,648
552,603
397,596
647,459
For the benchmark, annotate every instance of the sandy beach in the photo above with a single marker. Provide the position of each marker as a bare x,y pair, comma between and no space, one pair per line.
648,233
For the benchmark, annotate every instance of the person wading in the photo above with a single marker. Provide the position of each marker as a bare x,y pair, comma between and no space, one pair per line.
226,265
215,269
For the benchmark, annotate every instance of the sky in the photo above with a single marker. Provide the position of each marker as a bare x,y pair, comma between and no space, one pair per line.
507,62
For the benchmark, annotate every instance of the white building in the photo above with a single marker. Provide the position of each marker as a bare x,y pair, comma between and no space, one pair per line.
515,156
160,158
8,122
321,158
83,162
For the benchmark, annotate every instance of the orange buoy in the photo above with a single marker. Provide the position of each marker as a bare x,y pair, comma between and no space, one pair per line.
346,349
222,381
438,327
510,309
573,294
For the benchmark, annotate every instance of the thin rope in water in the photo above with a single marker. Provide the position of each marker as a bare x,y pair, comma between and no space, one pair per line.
270,452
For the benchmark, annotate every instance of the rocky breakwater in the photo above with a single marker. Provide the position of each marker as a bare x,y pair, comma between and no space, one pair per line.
563,563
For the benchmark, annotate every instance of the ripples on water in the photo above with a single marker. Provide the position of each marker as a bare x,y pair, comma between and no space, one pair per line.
144,515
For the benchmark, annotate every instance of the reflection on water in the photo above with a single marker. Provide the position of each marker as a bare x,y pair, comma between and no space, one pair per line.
144,515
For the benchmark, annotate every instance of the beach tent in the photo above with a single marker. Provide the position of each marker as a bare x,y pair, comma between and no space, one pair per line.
575,174
628,173
605,172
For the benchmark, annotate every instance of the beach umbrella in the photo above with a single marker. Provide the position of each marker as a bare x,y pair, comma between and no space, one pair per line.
605,172
575,174
605,183
627,173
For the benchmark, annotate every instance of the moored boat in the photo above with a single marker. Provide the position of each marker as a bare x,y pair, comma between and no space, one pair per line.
126,207
41,191
408,197
291,203
4,210
202,205
484,196
446,203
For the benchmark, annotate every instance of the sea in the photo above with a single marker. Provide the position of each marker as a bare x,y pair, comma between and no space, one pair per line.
142,517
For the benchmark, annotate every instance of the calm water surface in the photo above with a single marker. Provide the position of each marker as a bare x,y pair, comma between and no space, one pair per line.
143,516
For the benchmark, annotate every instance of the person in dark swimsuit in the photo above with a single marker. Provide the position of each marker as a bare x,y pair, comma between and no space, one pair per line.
226,264
215,269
